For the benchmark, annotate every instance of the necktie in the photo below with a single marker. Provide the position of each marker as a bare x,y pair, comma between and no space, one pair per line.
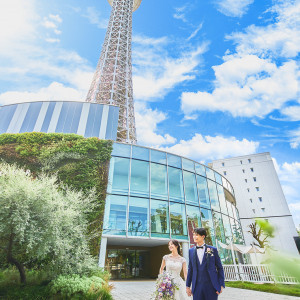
199,247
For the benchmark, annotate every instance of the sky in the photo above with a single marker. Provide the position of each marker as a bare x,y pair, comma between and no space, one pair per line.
212,79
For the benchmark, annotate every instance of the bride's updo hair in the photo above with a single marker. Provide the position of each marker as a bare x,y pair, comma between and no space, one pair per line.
177,245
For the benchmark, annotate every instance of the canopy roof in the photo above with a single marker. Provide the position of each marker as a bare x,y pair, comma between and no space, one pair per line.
242,248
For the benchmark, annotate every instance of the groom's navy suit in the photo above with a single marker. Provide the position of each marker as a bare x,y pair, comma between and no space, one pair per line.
206,278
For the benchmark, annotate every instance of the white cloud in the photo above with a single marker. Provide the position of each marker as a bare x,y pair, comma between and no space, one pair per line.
156,72
261,75
94,17
146,124
233,8
247,86
195,32
52,40
281,38
289,176
201,148
292,113
294,136
180,13
52,22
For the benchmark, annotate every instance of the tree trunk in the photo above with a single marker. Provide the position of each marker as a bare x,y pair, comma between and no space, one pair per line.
13,261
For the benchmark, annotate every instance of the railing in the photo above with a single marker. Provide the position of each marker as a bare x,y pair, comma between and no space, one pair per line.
255,273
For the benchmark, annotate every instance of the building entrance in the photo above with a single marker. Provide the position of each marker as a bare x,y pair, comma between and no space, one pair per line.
128,264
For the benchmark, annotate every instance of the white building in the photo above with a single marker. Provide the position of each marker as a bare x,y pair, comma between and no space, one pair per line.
259,195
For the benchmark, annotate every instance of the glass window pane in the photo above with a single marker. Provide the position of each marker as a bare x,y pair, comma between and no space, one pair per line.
213,195
200,170
178,221
121,150
188,165
194,220
118,176
139,182
190,188
227,228
175,185
6,113
48,116
31,117
138,222
229,208
222,199
158,157
160,219
207,223
115,215
159,184
234,212
210,174
140,153
236,232
203,192
174,160
218,178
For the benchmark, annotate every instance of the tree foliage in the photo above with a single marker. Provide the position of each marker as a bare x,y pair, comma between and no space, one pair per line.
261,232
78,162
43,223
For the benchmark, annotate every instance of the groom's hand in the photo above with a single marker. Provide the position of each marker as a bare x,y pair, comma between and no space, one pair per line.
220,291
188,291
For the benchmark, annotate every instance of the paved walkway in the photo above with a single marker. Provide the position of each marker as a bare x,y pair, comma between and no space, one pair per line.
142,290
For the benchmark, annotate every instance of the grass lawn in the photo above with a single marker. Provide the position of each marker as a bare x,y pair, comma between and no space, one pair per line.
284,289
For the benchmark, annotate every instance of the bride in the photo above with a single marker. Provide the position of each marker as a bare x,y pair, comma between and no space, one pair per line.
174,263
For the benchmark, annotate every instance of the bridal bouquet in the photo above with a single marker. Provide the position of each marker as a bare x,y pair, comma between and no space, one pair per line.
165,287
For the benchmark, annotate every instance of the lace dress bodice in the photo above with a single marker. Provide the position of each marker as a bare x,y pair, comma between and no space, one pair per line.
174,267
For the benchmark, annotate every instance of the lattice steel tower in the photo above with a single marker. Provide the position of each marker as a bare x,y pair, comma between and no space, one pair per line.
112,82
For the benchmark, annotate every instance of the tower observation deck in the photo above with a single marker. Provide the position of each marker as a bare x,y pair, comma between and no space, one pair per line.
112,81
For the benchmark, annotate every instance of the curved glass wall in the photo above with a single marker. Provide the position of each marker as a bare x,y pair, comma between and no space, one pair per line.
160,195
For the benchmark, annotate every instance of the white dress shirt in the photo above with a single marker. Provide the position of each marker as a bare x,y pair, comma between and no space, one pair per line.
200,253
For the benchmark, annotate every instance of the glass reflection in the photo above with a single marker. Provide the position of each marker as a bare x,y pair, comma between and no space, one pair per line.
218,178
140,153
210,174
194,220
174,160
115,215
222,199
227,229
118,176
200,170
203,192
213,195
190,188
236,232
188,165
175,185
139,181
121,150
207,223
158,157
159,185
138,222
178,220
160,219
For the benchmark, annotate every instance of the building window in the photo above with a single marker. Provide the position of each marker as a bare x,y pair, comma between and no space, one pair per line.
248,190
257,188
241,162
243,171
260,199
254,178
251,169
249,160
225,173
223,164
263,209
251,200
246,180
253,211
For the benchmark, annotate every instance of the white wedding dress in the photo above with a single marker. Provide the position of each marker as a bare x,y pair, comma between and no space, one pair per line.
174,267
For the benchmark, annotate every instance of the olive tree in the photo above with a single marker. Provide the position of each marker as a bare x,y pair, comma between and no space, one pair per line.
43,224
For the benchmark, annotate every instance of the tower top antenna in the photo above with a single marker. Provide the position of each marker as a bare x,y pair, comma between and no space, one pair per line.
136,4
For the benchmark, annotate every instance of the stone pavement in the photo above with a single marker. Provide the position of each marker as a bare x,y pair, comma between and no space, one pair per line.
142,290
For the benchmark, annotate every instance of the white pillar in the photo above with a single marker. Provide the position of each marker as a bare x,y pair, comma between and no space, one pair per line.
185,251
102,253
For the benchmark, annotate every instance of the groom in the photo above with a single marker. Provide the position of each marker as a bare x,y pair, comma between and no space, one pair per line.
205,269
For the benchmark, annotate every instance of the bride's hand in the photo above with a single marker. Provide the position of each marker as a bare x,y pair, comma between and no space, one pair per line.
188,291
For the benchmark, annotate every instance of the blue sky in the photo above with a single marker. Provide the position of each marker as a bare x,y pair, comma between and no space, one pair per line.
212,79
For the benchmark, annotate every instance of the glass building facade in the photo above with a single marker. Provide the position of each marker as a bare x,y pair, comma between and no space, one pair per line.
87,119
157,195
